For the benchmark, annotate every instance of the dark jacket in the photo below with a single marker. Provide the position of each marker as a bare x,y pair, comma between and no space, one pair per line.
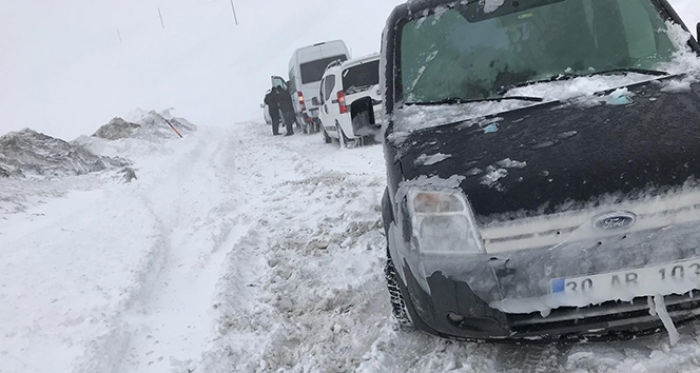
285,101
272,100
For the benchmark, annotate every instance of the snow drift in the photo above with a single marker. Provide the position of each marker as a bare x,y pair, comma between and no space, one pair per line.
146,126
29,153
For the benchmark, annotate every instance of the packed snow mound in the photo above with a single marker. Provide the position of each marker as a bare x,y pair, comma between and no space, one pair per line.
29,153
117,129
149,125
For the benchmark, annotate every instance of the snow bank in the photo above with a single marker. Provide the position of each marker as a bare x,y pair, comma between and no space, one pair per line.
117,129
29,153
149,125
138,135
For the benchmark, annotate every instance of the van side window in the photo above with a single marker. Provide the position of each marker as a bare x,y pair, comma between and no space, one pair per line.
312,72
321,92
279,82
330,84
292,81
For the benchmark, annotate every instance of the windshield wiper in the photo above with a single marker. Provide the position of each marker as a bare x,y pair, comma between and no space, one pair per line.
629,70
555,78
568,76
459,100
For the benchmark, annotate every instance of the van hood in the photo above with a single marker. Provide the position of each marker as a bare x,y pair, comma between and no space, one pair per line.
559,156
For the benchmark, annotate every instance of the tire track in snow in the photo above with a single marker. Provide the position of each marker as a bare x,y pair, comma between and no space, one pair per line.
320,238
195,197
533,358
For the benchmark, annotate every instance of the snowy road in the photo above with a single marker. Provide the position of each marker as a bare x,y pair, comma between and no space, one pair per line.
237,252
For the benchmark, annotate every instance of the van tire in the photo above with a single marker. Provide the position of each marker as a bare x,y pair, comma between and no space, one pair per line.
398,304
344,141
326,138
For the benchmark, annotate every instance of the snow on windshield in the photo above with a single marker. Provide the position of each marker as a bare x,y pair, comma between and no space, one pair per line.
583,86
414,117
410,118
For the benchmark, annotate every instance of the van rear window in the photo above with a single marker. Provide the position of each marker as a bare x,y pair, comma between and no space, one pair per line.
361,77
312,72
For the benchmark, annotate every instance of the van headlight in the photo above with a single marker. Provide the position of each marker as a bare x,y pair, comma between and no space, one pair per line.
443,223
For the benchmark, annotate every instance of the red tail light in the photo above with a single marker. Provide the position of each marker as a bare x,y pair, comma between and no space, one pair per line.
341,103
302,103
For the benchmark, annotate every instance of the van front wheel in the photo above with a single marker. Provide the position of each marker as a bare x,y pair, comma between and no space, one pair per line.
398,304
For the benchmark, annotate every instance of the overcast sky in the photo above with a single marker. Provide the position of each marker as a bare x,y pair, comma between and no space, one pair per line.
65,72
61,65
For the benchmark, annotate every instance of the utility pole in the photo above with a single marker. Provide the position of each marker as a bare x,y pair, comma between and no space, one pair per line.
120,36
161,18
235,18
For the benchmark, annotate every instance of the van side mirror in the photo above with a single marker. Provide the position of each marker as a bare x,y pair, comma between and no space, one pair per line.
314,101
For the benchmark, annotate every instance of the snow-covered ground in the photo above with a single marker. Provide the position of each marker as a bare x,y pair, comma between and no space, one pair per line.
233,251
236,252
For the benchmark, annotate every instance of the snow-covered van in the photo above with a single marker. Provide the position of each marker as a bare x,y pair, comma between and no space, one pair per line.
348,90
543,168
306,68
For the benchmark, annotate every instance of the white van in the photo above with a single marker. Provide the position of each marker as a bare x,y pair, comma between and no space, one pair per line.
350,100
306,69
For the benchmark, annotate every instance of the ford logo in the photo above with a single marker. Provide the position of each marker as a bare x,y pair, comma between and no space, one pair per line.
615,221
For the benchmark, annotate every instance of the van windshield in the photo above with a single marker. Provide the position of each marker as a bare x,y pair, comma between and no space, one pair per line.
312,72
465,51
361,78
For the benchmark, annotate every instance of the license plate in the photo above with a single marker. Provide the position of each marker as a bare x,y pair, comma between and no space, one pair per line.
684,275
314,113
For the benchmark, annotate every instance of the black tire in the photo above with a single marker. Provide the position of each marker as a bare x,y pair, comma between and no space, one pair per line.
398,304
326,138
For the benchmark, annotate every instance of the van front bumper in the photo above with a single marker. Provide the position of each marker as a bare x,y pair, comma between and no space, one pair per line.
453,310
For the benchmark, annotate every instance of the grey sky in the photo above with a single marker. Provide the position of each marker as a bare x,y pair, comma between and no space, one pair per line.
65,72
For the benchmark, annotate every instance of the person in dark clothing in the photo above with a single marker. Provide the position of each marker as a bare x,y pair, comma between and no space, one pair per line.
272,101
287,108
